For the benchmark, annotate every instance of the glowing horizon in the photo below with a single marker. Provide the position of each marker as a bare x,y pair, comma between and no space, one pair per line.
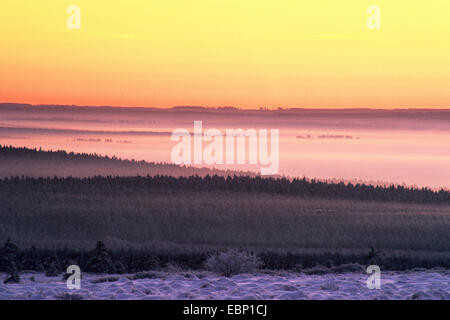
282,53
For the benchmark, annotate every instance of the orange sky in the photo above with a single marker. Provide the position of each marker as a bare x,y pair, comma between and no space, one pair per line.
244,53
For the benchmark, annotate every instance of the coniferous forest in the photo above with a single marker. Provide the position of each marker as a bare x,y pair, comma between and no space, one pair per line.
116,224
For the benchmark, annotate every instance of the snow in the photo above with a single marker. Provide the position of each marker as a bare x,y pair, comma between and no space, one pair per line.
202,285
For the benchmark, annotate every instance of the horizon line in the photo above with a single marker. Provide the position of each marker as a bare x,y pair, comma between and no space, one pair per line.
237,108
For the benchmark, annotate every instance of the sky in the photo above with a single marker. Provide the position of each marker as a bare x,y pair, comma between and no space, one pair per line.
244,53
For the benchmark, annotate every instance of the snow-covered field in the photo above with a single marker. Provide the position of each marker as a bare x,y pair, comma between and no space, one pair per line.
201,285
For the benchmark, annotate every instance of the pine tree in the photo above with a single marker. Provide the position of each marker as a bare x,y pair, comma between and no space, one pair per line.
8,255
9,261
51,269
101,261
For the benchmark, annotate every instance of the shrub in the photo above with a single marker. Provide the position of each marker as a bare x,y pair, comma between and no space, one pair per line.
348,267
317,270
106,279
143,275
68,296
330,285
232,262
174,267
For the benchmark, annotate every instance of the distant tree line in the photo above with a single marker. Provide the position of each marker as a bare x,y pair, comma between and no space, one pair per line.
21,160
50,155
139,185
206,180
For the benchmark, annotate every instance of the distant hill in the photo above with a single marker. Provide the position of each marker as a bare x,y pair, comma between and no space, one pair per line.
312,114
18,162
39,163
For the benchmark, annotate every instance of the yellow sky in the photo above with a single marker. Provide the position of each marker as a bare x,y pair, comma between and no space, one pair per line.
246,53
